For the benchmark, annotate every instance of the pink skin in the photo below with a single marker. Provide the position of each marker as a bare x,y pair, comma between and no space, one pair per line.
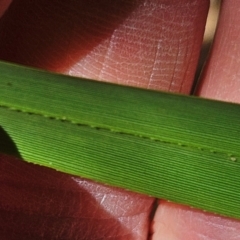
4,4
152,44
143,43
37,201
222,75
176,222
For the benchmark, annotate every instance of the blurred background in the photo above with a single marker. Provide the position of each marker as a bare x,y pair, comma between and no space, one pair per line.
208,36
212,20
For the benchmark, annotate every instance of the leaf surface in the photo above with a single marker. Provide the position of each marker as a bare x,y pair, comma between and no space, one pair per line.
184,149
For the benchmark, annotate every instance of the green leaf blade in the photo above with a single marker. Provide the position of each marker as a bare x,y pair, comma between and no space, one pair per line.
169,146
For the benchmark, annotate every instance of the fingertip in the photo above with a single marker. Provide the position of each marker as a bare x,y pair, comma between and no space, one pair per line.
150,44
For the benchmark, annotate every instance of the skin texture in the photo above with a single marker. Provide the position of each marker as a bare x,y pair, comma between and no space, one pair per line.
152,44
222,76
163,57
143,43
40,203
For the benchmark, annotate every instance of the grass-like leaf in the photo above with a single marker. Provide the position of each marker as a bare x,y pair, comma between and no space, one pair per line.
184,149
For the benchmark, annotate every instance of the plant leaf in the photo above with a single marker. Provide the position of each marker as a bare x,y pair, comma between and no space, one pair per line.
184,149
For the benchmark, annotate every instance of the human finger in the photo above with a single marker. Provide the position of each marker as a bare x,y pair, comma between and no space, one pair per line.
152,44
221,77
